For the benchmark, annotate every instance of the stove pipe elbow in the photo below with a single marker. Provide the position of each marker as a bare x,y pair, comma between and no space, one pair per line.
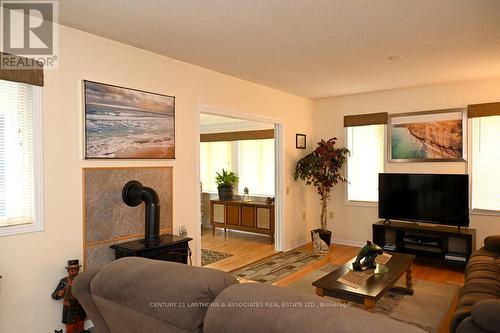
133,194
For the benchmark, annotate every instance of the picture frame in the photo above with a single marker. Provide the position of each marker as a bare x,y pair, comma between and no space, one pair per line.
428,136
127,123
300,141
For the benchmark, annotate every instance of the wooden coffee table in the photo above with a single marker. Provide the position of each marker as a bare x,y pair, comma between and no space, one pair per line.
373,288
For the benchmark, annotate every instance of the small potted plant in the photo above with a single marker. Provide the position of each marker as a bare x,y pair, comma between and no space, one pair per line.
225,184
321,168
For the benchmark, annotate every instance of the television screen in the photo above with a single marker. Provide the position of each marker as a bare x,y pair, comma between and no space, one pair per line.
432,198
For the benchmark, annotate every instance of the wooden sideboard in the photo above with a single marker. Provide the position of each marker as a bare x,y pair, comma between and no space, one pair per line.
245,216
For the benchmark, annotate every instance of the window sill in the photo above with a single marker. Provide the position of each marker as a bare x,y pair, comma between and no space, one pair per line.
484,212
361,203
20,229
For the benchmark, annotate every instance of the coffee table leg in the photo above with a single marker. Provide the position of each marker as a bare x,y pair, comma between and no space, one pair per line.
320,292
369,304
409,282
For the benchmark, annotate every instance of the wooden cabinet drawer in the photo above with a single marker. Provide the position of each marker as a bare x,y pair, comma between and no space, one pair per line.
248,216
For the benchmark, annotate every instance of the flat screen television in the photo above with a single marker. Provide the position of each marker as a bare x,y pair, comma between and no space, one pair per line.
430,198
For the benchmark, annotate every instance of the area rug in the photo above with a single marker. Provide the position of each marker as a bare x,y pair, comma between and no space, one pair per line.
427,308
209,256
276,267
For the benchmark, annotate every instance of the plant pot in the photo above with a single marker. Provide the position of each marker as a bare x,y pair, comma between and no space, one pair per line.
225,193
325,235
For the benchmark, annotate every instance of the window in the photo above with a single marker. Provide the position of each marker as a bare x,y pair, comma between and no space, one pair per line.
20,176
214,156
256,166
366,144
251,160
485,163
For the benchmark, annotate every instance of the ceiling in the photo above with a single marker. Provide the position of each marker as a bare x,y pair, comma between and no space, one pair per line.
218,124
311,48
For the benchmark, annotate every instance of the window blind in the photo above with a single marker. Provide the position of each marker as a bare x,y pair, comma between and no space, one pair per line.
16,153
256,166
485,161
366,144
214,156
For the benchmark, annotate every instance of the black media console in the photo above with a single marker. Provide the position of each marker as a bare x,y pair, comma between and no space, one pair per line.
448,245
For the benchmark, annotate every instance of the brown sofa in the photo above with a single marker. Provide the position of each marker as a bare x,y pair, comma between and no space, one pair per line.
142,295
478,308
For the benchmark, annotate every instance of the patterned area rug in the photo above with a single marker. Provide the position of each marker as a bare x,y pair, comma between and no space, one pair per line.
276,267
427,308
209,256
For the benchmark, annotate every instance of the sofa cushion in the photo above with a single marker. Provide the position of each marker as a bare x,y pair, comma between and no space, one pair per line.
492,243
484,252
461,313
468,326
484,288
174,293
482,274
486,314
472,298
255,307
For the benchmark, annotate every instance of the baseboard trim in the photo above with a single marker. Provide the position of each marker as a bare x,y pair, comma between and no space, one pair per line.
348,242
296,244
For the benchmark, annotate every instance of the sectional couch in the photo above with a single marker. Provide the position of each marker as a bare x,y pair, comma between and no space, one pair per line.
478,308
142,295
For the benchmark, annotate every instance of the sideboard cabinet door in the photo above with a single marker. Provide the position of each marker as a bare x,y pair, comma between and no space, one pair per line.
264,218
218,213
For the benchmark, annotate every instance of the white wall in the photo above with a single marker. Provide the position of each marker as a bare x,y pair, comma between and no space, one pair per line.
353,223
31,264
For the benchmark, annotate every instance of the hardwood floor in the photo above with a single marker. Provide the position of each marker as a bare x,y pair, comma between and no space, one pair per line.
245,248
248,248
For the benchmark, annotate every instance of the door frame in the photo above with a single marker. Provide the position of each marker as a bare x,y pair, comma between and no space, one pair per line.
279,184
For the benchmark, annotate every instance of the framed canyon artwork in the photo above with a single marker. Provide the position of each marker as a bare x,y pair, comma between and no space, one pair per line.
123,123
427,136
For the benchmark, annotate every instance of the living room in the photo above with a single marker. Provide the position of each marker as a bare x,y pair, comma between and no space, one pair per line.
304,65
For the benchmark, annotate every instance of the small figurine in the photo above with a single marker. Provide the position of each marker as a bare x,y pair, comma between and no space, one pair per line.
319,245
369,252
270,201
246,197
73,313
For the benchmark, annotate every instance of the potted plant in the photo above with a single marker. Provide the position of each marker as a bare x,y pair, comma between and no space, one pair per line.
321,168
225,183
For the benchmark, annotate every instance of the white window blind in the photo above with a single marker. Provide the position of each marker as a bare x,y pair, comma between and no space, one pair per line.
366,144
214,156
256,166
16,154
485,163
251,160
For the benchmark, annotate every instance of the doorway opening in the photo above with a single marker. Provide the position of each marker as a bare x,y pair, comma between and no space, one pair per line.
246,227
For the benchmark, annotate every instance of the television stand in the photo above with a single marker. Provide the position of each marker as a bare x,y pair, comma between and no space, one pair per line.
443,244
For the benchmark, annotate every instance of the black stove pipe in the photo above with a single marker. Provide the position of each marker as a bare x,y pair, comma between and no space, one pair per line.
133,194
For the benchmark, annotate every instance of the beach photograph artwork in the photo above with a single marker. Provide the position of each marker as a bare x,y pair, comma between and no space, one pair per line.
427,136
127,123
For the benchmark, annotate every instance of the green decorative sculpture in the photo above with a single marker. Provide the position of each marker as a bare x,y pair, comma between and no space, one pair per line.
366,257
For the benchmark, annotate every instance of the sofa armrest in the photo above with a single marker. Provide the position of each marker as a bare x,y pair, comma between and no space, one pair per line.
81,290
485,314
492,243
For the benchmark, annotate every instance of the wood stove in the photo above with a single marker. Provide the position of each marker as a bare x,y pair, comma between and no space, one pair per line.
153,245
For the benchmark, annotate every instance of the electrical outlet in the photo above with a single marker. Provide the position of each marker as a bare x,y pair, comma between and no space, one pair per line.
287,190
331,215
304,216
